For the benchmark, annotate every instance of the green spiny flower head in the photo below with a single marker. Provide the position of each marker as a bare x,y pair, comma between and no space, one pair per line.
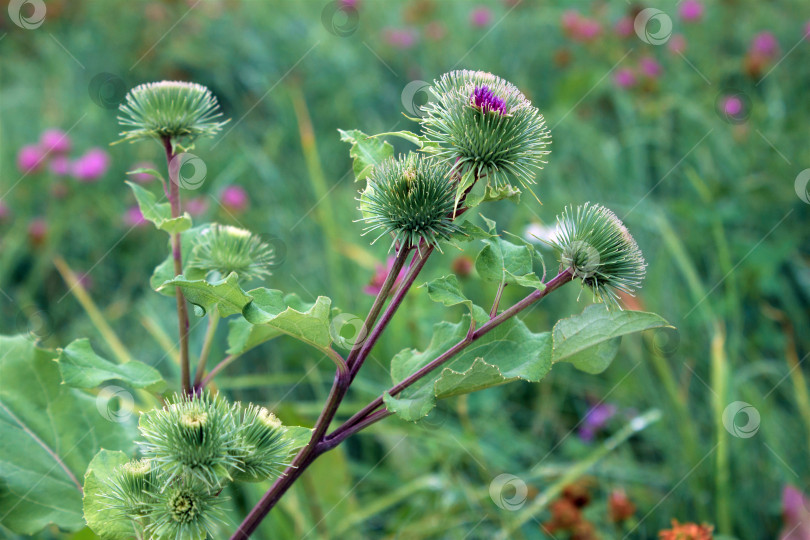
595,246
265,447
130,486
485,124
185,510
223,249
178,110
191,438
410,197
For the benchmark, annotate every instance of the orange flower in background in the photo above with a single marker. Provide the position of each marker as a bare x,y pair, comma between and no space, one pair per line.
687,531
620,507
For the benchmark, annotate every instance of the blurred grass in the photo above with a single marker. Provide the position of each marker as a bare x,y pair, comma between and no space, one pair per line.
711,203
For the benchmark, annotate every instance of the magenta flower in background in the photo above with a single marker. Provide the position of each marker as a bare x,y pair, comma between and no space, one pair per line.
37,231
580,28
795,515
351,4
624,78
435,31
234,199
691,10
732,106
570,21
650,67
807,30
143,178
30,158
677,44
133,217
196,206
765,45
375,285
400,38
624,27
595,419
91,166
54,140
60,166
481,17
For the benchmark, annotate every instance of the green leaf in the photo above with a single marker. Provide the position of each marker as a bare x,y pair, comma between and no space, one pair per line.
49,432
485,192
367,151
150,172
270,308
502,261
469,231
225,295
81,367
105,522
422,142
463,184
507,353
447,290
589,340
243,336
299,436
159,213
165,271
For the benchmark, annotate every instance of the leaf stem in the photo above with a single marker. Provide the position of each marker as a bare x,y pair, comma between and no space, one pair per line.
213,322
177,256
561,279
225,362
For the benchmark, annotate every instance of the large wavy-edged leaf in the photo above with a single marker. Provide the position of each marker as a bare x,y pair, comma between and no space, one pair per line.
483,191
366,151
270,308
159,213
81,367
447,290
590,340
502,261
103,521
225,295
507,353
243,336
49,432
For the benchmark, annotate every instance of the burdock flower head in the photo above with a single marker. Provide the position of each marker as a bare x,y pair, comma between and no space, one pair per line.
185,509
192,438
223,249
130,486
262,437
412,198
485,124
177,110
595,246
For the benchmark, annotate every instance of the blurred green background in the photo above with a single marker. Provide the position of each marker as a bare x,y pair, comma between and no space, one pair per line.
692,128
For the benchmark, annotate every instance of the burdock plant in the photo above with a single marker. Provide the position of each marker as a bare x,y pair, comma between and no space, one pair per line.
481,141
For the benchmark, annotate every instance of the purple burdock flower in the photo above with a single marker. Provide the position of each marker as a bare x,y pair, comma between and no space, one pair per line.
235,199
133,217
60,166
595,419
30,158
483,98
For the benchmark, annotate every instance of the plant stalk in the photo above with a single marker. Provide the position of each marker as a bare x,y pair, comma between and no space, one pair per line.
177,256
